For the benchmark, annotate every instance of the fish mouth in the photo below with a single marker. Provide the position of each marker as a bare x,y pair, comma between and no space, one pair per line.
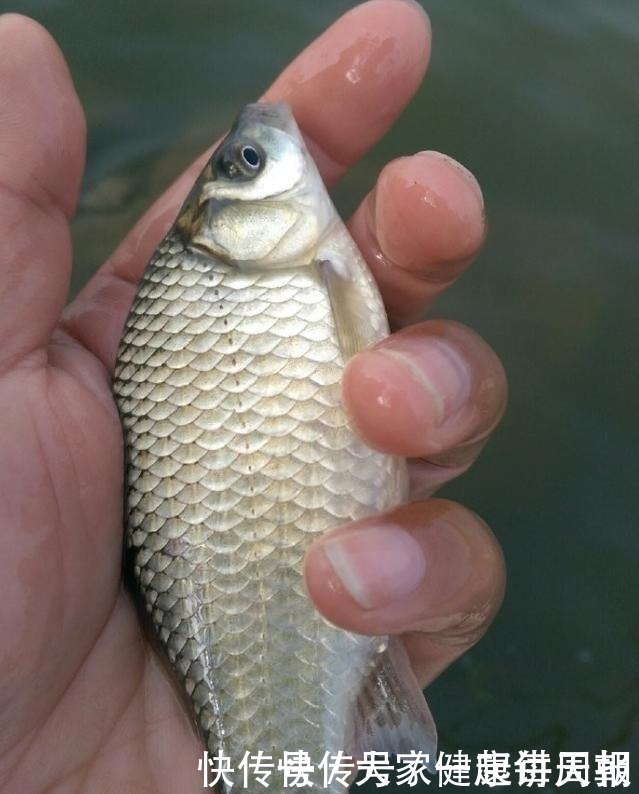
277,115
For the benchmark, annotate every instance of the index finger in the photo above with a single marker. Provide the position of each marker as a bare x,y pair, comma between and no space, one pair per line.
346,89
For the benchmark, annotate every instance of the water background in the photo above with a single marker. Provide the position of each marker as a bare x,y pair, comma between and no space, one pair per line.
541,100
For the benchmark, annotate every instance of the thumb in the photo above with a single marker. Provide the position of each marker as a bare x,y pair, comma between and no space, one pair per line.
42,140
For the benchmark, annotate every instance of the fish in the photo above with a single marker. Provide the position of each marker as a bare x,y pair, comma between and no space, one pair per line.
239,454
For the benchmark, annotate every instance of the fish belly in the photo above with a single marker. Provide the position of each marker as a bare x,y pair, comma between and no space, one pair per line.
238,454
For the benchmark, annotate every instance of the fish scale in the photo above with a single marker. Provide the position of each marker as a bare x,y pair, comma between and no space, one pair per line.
218,527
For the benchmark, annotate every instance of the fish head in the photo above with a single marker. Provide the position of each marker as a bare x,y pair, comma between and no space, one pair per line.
260,201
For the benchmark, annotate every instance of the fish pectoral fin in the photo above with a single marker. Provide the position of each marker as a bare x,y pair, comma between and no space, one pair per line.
391,714
350,310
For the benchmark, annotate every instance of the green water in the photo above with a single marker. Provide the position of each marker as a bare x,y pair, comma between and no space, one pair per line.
541,100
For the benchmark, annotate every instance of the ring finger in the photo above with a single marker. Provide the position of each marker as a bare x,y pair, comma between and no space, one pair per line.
432,392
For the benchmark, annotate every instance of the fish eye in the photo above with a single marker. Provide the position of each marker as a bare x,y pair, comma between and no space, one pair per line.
250,156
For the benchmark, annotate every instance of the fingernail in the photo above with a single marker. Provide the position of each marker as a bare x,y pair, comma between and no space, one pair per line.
461,169
417,5
442,375
378,565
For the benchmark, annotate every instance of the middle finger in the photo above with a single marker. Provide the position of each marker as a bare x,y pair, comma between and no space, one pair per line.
419,229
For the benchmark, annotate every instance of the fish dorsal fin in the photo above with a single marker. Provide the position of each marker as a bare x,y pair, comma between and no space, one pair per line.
391,714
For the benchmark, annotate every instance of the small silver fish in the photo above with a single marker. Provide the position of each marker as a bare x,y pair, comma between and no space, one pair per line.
239,454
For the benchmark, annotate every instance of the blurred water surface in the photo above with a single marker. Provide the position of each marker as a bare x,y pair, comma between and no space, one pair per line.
541,100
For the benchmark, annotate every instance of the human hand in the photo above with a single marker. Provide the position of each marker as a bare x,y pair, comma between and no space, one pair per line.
85,704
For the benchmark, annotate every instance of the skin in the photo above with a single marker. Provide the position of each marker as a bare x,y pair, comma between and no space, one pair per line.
84,704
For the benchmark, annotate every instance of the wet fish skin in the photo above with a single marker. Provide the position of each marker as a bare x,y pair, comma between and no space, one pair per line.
239,454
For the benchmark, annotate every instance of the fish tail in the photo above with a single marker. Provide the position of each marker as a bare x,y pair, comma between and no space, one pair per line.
391,714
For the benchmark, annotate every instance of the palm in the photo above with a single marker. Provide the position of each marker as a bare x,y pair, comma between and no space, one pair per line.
77,658
84,703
